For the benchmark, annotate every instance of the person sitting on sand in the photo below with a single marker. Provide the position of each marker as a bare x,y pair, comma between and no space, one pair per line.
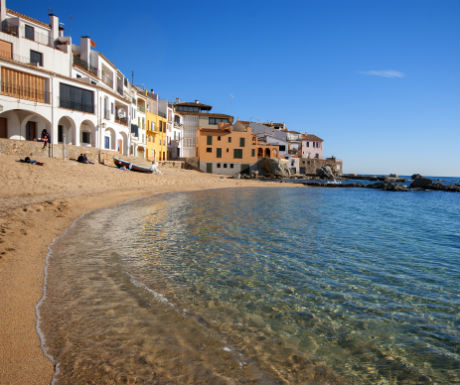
84,159
45,137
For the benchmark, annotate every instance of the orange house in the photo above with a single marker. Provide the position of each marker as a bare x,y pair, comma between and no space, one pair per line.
230,149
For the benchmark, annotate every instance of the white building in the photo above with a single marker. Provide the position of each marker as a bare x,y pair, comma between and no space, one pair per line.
72,91
174,133
196,115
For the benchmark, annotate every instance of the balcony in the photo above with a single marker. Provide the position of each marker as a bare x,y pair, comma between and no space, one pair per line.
141,108
19,91
121,120
10,29
84,65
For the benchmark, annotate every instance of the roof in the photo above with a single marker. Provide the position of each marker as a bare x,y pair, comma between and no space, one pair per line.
41,23
263,130
312,137
194,104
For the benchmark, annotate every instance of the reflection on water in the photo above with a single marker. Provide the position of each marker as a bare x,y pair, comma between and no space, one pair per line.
259,286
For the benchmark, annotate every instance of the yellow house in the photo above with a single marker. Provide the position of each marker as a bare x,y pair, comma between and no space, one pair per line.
156,140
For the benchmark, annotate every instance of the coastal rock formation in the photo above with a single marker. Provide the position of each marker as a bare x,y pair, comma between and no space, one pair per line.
388,186
273,168
420,181
325,172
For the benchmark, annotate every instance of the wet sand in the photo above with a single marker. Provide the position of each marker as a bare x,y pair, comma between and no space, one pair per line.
36,205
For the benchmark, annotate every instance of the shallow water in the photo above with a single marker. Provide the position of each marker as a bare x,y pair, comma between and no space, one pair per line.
259,286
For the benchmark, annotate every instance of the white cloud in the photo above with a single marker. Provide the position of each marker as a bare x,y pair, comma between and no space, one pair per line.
389,74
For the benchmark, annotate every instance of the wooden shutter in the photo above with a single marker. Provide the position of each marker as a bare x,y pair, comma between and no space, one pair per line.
6,49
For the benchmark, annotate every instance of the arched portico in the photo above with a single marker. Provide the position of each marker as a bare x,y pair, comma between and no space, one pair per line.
66,131
22,125
267,153
87,134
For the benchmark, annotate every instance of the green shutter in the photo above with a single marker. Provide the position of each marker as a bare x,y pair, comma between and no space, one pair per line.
241,142
209,140
219,152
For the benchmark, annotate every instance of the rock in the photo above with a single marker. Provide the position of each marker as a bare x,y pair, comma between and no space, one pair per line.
273,168
393,176
325,172
387,186
420,182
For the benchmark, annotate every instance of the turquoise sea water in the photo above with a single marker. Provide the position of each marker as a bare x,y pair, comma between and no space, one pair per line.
268,286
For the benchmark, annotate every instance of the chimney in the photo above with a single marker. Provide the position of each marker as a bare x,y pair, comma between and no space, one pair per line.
85,48
197,101
54,23
61,31
2,10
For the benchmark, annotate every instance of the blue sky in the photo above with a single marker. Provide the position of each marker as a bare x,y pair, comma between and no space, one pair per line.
378,80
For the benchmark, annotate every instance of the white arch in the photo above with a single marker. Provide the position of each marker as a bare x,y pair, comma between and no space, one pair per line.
109,139
87,133
123,146
24,124
66,130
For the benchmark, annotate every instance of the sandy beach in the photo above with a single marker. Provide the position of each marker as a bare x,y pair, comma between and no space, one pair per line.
36,205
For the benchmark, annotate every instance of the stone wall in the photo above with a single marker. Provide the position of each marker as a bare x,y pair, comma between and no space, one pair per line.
23,148
309,166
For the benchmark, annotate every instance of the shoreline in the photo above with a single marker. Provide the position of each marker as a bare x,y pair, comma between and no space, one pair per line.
37,204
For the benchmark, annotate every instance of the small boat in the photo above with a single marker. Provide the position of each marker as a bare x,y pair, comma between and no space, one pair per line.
132,166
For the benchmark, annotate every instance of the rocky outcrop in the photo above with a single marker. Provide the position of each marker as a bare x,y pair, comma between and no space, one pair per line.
419,181
273,168
388,186
325,172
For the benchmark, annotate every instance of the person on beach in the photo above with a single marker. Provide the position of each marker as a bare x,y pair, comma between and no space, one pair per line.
31,161
45,137
84,159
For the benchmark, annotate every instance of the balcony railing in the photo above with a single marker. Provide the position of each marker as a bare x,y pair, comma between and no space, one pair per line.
21,92
10,29
123,121
40,37
83,64
141,108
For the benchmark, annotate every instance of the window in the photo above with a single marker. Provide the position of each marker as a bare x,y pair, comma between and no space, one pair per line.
107,142
241,142
253,152
78,76
106,108
282,148
209,149
112,108
214,121
29,32
36,58
218,165
229,139
228,150
225,165
218,138
86,137
219,152
238,153
209,140
231,165
76,98
308,144
316,156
